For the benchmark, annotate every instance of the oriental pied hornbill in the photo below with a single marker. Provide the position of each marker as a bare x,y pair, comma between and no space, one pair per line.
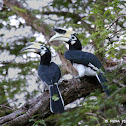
84,62
49,74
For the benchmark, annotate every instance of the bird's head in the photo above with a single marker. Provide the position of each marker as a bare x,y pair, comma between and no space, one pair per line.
62,34
67,36
36,48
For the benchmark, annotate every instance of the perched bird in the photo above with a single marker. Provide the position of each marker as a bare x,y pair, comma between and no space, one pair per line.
49,73
84,62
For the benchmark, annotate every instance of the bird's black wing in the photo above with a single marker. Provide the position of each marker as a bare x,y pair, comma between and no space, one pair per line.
49,73
85,58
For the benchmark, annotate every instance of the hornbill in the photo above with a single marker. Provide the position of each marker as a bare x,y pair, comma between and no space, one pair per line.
84,62
49,73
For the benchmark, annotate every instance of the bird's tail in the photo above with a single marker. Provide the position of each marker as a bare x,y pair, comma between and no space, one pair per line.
101,78
56,100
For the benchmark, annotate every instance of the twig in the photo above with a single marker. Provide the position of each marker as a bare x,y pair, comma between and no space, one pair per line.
124,15
120,84
4,106
93,114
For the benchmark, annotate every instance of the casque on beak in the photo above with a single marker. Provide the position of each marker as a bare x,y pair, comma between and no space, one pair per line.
62,35
31,47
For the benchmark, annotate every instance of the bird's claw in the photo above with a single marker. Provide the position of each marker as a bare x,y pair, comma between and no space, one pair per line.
76,77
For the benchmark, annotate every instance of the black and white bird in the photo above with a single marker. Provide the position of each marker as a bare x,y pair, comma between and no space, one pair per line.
84,62
49,73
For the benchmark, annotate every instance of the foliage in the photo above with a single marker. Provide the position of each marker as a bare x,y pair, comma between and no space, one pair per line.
100,26
12,88
19,9
37,122
95,111
60,48
94,18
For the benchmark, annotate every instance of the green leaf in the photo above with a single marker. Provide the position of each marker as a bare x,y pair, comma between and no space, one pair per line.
20,9
32,39
55,97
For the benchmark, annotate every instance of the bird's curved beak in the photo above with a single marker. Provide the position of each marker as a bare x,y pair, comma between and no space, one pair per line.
31,47
61,35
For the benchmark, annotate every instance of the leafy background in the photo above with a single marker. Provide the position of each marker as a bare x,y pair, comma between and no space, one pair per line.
101,27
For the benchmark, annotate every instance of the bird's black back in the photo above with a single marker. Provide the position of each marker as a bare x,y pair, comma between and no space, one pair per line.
80,57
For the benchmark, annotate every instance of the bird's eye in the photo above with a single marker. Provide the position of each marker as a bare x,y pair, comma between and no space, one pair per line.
42,47
73,37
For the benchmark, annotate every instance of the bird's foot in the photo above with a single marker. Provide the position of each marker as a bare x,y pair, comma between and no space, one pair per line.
45,89
76,77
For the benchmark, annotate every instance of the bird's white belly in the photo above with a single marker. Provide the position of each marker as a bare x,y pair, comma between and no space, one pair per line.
83,70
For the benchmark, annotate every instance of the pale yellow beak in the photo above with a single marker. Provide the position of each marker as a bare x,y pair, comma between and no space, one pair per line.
31,47
62,36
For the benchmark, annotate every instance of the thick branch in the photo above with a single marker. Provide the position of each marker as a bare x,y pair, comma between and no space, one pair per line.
67,65
70,90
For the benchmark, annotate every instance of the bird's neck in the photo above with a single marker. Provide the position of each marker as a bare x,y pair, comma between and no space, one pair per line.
46,59
76,46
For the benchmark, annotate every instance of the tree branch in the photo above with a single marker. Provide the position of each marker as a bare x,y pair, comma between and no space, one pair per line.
70,90
124,15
